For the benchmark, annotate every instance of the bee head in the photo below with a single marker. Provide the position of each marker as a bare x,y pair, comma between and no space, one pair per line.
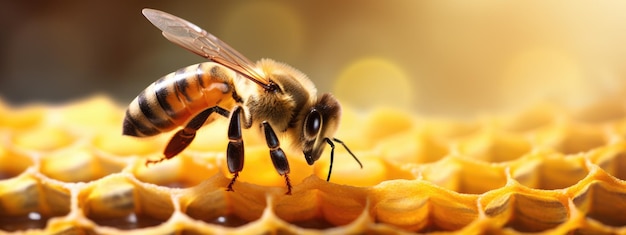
319,124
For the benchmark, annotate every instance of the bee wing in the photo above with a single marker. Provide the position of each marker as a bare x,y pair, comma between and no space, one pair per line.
199,41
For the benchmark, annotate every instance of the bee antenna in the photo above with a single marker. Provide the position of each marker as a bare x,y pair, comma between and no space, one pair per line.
332,154
346,147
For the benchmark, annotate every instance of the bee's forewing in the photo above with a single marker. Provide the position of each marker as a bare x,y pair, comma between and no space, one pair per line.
199,41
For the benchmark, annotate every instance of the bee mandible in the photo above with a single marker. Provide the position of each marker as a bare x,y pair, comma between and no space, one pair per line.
265,96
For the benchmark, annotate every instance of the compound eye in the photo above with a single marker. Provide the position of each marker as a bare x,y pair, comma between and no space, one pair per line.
312,124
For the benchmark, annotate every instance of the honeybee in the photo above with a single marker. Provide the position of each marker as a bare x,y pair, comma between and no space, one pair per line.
265,96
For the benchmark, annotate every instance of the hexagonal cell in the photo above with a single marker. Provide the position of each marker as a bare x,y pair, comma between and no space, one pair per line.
478,178
572,138
612,159
92,115
21,118
346,170
605,110
340,205
494,146
465,175
524,212
451,130
43,139
412,147
12,164
111,141
550,171
582,139
534,118
118,203
211,203
79,164
181,171
26,203
213,207
317,204
603,202
420,206
301,209
383,123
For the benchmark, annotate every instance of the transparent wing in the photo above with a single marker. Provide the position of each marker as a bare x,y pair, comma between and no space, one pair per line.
199,41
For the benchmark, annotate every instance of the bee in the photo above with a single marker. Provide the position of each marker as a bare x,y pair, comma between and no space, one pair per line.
267,96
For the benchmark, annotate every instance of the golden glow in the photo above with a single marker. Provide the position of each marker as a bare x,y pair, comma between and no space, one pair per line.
374,82
270,28
538,74
552,169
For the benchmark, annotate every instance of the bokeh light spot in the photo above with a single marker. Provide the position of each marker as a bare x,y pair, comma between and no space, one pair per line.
374,82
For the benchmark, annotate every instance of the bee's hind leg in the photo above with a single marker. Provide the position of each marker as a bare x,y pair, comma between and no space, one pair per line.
235,150
277,154
183,137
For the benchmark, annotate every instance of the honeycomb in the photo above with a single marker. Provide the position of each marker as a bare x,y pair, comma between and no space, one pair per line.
67,169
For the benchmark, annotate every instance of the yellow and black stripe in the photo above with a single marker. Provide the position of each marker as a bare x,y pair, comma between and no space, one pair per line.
176,98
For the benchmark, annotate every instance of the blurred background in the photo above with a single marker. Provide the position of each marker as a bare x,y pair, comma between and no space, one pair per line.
452,58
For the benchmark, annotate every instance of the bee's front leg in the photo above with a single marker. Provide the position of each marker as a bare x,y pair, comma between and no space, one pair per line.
277,154
183,137
235,151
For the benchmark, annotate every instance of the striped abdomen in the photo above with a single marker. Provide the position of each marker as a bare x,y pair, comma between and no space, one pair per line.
177,97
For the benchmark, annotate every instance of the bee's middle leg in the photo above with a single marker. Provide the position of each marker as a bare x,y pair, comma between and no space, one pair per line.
279,159
183,137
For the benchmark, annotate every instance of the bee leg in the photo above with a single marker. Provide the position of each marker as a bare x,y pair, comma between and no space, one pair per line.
183,137
277,154
234,152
